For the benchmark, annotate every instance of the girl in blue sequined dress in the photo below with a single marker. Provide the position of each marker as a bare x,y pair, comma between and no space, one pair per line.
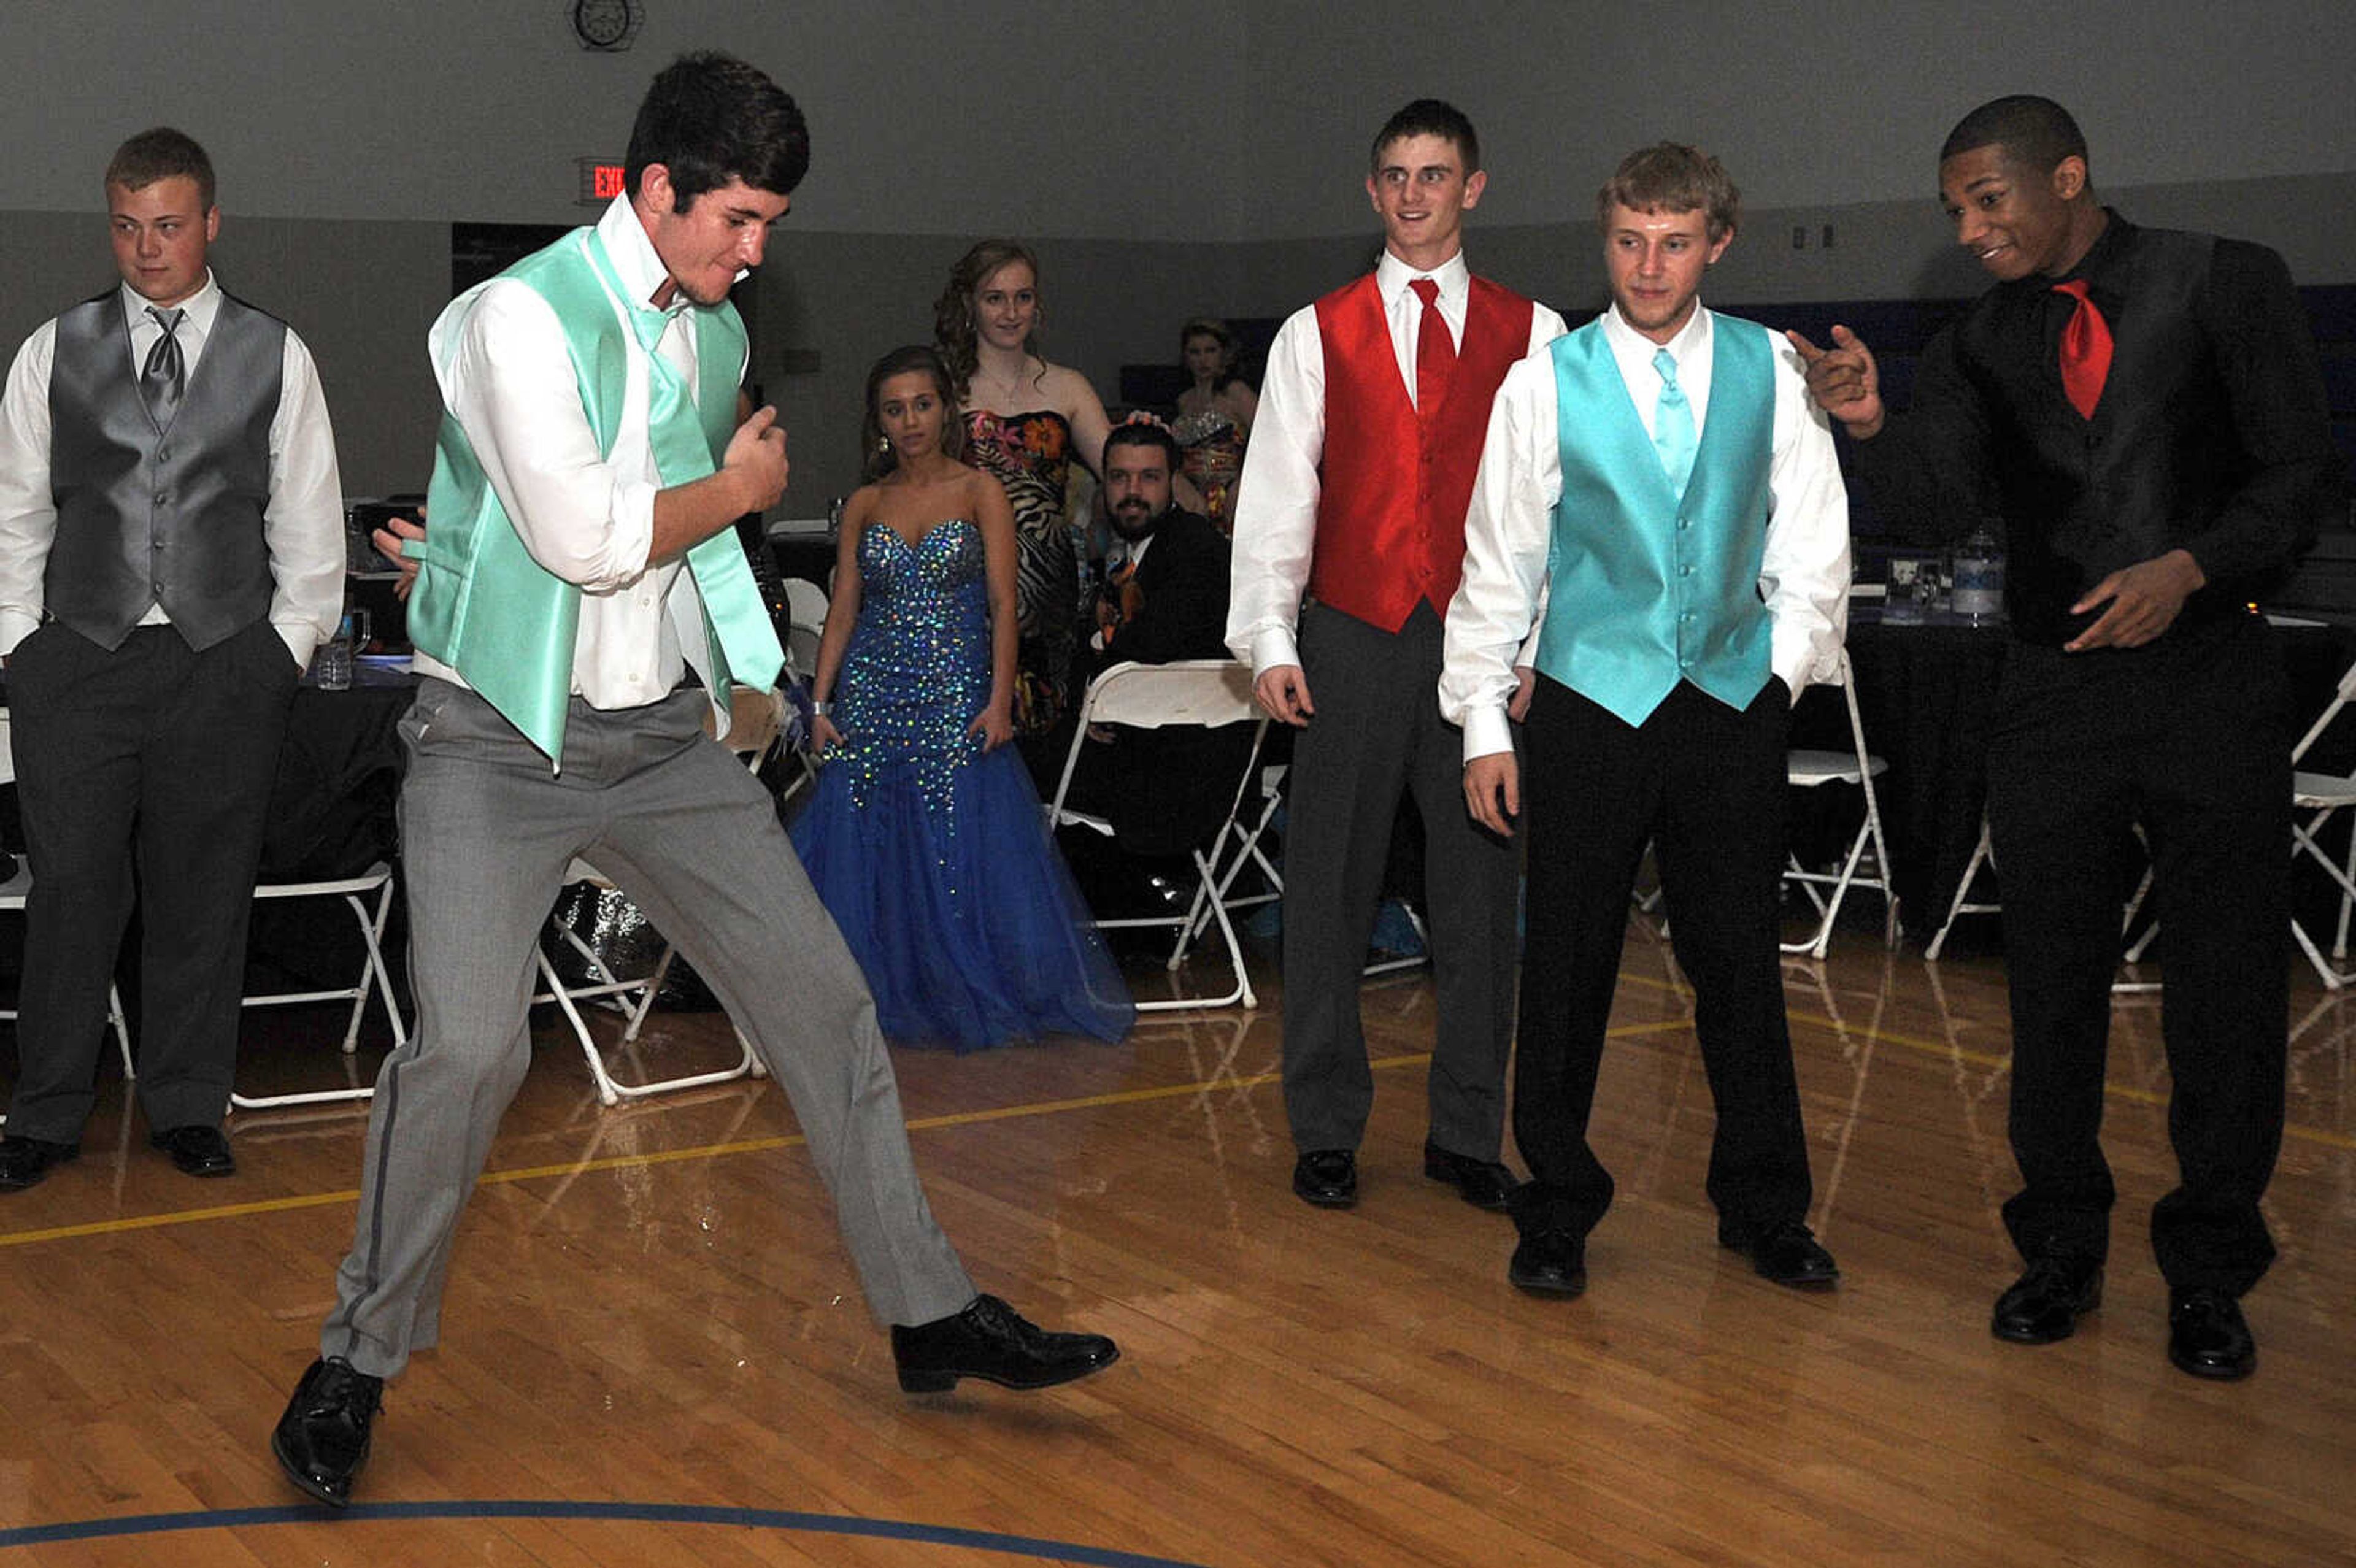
925,839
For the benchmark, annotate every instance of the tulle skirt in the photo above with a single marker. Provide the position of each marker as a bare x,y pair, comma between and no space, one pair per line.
961,913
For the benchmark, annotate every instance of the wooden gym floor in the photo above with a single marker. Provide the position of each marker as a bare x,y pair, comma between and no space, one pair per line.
655,1351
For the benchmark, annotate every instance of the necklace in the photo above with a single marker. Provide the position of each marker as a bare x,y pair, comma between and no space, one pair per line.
1010,388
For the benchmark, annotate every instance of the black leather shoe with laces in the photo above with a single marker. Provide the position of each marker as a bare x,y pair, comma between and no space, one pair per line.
1785,1253
1550,1263
2208,1336
323,1439
24,1162
2044,1306
990,1340
1327,1177
1483,1183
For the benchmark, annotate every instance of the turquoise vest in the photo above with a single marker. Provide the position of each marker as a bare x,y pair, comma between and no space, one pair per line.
506,623
1650,588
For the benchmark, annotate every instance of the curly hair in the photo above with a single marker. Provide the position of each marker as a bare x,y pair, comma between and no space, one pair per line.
954,333
876,455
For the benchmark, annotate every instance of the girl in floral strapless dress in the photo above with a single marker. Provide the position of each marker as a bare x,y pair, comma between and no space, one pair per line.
1026,421
925,839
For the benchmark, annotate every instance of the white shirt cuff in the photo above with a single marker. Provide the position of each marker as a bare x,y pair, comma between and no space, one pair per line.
1274,647
1486,733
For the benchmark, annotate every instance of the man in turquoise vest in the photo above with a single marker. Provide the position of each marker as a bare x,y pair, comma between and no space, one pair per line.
1659,498
590,467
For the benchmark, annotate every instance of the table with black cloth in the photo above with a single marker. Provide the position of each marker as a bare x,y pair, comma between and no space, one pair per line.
1926,694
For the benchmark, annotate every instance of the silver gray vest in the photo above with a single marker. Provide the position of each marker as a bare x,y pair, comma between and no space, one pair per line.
170,516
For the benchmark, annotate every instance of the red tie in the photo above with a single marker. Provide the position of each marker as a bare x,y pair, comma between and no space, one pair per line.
2085,350
1435,350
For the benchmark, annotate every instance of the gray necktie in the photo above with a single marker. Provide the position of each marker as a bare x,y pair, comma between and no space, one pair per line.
166,374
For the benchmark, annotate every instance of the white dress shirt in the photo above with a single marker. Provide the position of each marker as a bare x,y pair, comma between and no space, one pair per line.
303,524
1276,500
1804,574
502,359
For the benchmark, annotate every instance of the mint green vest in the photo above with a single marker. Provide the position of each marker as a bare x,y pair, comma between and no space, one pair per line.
1650,588
505,622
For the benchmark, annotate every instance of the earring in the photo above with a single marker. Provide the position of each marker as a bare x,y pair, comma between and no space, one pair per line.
883,444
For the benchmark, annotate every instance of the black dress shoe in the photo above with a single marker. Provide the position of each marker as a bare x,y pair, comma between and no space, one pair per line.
197,1150
2207,1337
1785,1253
2044,1304
24,1161
323,1439
1550,1263
1483,1183
1327,1177
990,1339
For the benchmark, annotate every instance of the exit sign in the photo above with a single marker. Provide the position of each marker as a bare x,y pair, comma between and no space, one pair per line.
601,181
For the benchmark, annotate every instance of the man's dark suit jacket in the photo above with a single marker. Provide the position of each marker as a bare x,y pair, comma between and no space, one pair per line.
1166,790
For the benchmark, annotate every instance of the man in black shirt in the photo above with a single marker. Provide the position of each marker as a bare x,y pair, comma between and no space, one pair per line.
2145,409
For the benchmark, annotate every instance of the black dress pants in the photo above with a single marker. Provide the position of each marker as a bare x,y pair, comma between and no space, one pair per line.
1705,784
155,757
2191,736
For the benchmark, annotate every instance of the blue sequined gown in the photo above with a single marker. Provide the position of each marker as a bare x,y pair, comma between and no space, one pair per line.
929,852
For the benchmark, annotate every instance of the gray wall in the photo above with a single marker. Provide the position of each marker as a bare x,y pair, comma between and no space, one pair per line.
1209,158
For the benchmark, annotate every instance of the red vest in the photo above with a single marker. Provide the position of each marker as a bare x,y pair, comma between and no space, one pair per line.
1395,480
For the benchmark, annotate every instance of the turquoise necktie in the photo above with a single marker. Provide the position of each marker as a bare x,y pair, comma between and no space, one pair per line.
1673,424
682,455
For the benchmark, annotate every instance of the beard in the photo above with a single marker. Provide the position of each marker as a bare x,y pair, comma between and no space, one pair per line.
1132,522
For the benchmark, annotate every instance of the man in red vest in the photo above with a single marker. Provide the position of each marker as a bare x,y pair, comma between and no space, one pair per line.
1354,492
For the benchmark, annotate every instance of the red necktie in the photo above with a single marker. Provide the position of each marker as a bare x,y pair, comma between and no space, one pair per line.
2085,350
1435,350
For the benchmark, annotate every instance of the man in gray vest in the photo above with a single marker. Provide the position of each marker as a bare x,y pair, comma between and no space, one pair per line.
171,550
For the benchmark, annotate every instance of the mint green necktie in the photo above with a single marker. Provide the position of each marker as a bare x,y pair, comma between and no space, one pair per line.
682,455
1673,424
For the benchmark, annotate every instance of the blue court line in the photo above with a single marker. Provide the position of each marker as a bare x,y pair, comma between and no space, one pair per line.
649,1513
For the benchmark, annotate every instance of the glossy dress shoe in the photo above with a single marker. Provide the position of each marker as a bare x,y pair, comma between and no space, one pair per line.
2207,1337
1483,1183
1550,1263
1787,1254
2045,1304
323,1439
990,1340
197,1150
1327,1177
25,1161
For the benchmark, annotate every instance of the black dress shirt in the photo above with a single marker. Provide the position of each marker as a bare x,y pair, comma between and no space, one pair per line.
2212,434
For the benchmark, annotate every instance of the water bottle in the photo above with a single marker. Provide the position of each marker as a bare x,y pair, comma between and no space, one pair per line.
333,666
1979,576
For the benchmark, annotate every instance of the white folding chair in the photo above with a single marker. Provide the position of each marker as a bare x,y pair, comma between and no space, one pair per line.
750,736
805,605
1809,769
2321,796
1209,694
1240,847
19,886
1982,857
373,977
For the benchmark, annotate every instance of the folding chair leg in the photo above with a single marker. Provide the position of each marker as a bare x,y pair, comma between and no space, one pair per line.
1980,853
607,1094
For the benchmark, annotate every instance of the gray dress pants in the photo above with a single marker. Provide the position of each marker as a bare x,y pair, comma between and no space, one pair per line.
673,819
1377,734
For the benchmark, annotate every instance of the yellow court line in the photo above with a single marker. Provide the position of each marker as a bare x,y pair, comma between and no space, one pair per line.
1035,1108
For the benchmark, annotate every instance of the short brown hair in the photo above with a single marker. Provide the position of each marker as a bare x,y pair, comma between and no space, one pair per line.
1669,176
162,153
